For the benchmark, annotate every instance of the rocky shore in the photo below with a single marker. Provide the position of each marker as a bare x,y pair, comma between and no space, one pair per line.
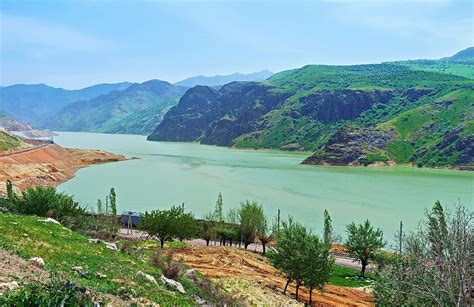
50,165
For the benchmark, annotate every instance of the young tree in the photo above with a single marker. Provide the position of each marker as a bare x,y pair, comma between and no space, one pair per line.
264,233
113,204
287,255
328,237
100,208
162,224
318,264
11,197
218,213
187,227
363,241
250,217
437,265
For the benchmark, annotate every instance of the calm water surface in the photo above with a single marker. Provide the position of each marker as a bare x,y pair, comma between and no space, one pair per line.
173,173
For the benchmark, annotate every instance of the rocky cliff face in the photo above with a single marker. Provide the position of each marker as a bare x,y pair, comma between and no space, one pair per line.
330,106
217,116
354,146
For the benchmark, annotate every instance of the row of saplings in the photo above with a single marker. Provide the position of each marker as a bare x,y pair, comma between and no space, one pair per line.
297,254
430,266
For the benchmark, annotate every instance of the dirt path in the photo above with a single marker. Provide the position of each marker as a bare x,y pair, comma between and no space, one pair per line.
223,262
338,251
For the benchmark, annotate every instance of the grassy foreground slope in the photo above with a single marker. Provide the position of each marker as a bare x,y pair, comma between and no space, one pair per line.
63,249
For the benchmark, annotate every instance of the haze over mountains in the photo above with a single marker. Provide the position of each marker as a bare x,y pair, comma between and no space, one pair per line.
111,108
33,103
221,80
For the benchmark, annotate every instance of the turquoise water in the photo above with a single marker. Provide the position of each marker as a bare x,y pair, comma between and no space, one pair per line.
173,173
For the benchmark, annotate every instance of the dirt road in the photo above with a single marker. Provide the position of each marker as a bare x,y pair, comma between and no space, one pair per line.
224,262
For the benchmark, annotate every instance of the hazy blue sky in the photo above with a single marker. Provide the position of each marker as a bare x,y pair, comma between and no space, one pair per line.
74,44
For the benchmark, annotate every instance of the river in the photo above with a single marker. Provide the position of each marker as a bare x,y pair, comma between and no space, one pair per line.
174,173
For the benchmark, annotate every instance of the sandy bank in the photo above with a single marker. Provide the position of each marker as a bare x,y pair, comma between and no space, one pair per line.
49,165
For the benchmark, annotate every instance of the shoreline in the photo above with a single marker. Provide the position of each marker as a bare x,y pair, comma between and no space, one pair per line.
49,166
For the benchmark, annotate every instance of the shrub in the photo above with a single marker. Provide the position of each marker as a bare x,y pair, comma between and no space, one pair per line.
171,268
55,293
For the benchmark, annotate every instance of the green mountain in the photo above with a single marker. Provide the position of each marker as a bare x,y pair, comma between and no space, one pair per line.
32,103
221,80
136,110
459,64
359,114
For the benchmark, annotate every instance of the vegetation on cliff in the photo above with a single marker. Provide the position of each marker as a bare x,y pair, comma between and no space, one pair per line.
358,115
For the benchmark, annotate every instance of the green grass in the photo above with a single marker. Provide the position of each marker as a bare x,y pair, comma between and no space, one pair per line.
348,277
401,151
459,69
8,142
62,249
413,120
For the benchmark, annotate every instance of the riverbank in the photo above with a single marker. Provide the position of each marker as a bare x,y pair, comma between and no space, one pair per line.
49,165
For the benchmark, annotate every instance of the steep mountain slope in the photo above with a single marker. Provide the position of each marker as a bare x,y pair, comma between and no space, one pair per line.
34,102
9,123
460,64
137,109
221,80
346,114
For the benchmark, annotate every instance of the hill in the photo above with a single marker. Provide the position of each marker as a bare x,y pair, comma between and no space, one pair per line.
32,103
461,64
137,109
361,114
224,79
9,123
105,274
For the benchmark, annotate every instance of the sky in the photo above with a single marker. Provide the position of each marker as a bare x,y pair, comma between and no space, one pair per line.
74,44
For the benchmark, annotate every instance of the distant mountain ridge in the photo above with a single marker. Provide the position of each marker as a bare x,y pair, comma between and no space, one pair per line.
136,110
32,103
224,79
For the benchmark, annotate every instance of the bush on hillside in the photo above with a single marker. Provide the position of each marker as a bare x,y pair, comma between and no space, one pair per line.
47,202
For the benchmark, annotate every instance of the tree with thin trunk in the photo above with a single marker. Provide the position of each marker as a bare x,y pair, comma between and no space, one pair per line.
100,208
250,217
437,265
162,224
287,254
113,201
363,242
318,264
264,233
328,237
218,211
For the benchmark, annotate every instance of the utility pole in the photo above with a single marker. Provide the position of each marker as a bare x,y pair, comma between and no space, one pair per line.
401,238
278,220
